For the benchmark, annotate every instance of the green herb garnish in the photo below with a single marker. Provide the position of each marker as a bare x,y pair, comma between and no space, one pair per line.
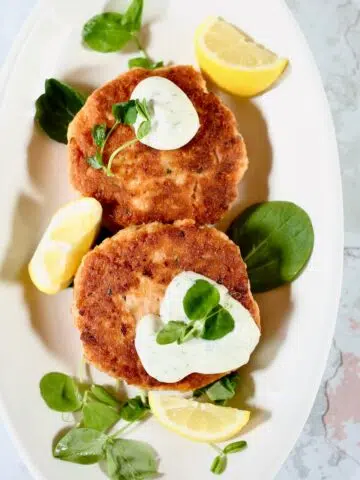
88,442
220,461
111,31
60,392
208,319
276,240
56,108
125,113
220,391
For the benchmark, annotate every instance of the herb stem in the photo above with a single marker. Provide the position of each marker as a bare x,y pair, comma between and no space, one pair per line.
108,136
118,150
121,430
140,47
216,448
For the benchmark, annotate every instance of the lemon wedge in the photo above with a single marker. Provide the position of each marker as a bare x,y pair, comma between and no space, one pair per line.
202,422
233,61
70,234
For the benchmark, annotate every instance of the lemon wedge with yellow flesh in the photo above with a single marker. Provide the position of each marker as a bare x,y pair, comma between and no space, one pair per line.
233,61
201,422
69,236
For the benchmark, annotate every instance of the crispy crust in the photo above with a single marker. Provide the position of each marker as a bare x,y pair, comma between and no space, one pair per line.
198,181
126,277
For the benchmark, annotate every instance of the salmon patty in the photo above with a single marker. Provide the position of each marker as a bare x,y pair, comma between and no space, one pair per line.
126,277
197,181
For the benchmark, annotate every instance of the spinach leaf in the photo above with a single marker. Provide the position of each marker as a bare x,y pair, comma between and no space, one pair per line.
219,464
171,332
125,112
144,62
106,32
218,323
235,447
98,415
134,409
200,299
81,445
60,392
220,391
132,17
276,240
56,108
130,460
104,396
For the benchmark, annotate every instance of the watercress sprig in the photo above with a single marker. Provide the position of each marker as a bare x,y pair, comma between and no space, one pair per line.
125,113
220,461
111,31
208,319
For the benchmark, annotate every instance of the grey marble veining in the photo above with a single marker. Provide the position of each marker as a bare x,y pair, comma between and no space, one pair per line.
329,447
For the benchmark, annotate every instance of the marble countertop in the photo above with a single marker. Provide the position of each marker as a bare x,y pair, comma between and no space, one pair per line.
329,447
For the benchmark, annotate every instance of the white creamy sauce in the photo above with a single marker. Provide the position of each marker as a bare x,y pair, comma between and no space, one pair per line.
174,119
170,363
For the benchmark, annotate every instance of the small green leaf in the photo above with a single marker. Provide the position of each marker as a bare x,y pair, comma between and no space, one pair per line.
98,133
200,299
188,333
134,409
132,17
130,460
143,108
96,161
56,108
106,32
144,63
144,129
125,112
170,333
103,395
221,390
235,447
219,464
218,323
276,240
81,445
60,392
98,415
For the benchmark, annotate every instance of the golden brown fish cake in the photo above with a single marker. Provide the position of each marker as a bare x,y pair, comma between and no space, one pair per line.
198,181
126,277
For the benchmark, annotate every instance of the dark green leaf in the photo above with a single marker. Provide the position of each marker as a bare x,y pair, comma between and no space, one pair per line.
98,415
134,409
96,161
144,129
218,323
221,390
106,32
98,133
132,17
144,63
219,464
60,392
56,108
235,447
104,396
170,333
200,299
125,112
81,445
276,240
130,460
